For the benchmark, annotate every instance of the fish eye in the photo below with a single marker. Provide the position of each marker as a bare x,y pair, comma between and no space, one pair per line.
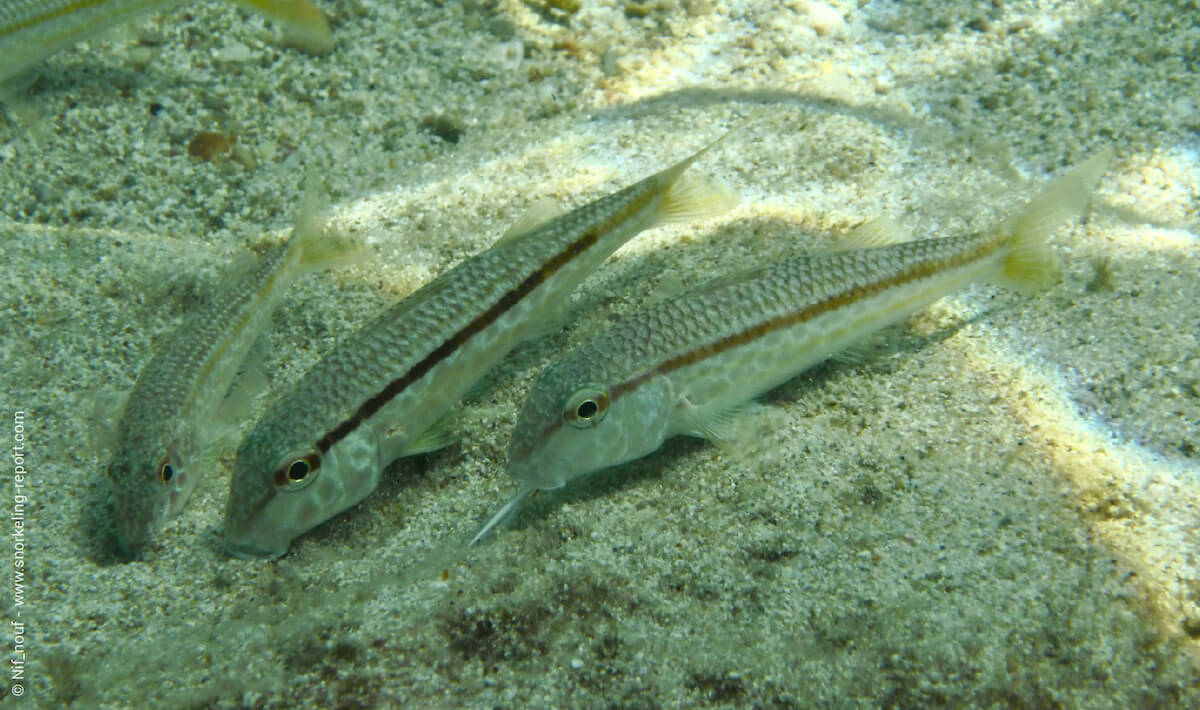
166,470
586,407
297,472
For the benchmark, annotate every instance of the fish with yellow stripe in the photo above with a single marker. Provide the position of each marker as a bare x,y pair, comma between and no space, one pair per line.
31,30
691,364
379,395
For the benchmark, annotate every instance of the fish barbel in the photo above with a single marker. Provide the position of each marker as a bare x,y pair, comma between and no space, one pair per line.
170,418
323,445
690,364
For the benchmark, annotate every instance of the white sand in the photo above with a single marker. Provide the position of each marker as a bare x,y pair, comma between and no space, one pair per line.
1000,510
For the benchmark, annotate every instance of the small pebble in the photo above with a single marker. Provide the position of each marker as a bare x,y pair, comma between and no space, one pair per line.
507,55
141,57
1184,107
823,19
448,128
242,155
638,10
1020,24
233,53
980,24
207,145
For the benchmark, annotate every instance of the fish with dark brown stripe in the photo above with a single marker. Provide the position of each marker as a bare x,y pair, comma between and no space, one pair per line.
692,364
378,396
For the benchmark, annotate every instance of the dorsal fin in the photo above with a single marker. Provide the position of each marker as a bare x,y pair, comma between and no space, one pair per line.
872,234
540,212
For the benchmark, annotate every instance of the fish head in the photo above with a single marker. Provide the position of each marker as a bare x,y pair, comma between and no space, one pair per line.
572,425
151,483
281,492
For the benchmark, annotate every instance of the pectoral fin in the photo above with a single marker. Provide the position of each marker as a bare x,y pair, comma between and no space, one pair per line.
397,442
727,427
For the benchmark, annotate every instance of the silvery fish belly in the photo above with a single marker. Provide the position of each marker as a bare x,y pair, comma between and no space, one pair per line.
688,365
322,447
170,419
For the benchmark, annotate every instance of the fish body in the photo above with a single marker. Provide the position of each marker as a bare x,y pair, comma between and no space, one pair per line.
31,30
688,365
170,418
323,446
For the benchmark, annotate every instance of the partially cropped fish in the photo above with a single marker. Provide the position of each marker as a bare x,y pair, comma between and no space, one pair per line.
323,446
691,364
171,417
31,30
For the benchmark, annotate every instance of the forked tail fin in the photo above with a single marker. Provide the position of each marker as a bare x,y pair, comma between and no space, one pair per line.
691,197
1031,264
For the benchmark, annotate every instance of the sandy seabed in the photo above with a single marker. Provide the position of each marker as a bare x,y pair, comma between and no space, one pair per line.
998,509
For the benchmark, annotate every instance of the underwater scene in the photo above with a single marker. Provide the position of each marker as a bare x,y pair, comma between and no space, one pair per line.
600,354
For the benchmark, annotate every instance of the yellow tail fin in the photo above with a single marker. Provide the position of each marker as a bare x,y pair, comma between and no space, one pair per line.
304,25
690,197
1031,264
695,197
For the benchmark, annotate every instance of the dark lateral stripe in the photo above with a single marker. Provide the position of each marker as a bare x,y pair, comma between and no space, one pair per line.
481,322
807,313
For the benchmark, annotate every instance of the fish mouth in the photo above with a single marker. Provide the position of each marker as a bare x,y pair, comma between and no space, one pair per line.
133,537
130,549
249,551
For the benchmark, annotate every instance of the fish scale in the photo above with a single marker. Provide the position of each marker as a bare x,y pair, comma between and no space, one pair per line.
169,418
378,395
689,364
788,315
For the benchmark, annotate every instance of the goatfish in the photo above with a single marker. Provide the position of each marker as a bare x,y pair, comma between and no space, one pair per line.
692,365
31,30
171,418
380,395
